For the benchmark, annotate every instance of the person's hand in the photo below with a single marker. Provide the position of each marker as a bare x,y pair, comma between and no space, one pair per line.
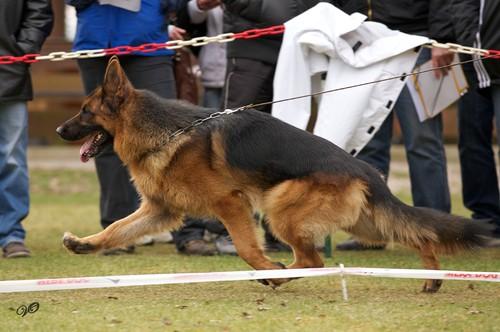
207,4
175,33
441,57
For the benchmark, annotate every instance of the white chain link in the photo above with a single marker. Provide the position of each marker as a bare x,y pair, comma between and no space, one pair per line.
228,37
456,48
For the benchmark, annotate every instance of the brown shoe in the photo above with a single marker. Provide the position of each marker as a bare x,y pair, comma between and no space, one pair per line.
15,250
198,247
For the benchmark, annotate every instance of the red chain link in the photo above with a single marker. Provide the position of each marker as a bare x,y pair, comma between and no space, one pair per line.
152,47
254,33
9,59
494,54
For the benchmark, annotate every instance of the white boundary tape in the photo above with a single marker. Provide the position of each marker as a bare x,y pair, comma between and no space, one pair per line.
36,285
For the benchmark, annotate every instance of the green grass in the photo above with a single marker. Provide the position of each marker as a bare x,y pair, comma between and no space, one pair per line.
67,200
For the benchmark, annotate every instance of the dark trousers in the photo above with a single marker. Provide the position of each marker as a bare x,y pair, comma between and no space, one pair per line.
476,114
250,82
424,151
118,197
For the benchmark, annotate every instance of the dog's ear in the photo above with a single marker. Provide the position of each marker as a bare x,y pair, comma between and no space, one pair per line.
116,87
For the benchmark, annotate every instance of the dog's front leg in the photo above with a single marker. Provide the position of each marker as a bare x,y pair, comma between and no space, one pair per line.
146,220
236,214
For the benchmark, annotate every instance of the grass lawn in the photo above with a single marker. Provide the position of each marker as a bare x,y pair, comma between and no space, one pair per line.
67,200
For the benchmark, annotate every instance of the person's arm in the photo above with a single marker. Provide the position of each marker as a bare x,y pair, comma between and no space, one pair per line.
79,4
248,9
36,26
441,29
196,14
465,15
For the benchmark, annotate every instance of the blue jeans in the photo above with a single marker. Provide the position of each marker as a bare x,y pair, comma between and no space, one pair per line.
14,182
424,151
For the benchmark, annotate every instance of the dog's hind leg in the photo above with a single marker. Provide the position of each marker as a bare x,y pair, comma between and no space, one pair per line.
146,220
236,215
430,261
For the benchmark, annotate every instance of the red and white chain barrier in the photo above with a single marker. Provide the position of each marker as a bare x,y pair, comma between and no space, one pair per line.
36,285
144,48
200,41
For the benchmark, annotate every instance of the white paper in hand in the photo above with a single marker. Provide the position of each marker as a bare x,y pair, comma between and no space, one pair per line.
432,95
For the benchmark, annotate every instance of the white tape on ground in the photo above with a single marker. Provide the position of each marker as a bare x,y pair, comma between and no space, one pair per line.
12,286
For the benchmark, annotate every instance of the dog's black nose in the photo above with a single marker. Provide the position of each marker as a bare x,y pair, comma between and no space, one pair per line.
60,130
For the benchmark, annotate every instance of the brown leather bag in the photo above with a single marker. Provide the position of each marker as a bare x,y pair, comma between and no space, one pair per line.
187,75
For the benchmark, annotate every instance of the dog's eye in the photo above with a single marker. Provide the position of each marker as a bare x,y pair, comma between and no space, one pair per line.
86,112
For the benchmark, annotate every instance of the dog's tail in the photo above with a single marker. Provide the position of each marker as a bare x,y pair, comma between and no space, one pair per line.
419,227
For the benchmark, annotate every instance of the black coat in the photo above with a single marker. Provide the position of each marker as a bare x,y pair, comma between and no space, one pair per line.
467,24
24,25
241,15
431,18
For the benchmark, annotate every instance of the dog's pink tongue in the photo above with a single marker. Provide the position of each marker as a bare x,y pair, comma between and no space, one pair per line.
84,149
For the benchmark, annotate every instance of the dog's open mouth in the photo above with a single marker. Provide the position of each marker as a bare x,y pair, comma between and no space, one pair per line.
93,145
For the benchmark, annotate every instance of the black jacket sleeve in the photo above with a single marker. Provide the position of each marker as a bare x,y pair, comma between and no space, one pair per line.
36,25
440,21
248,9
465,15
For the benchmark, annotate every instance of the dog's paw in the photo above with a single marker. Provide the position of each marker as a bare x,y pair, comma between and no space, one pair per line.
432,286
275,283
75,245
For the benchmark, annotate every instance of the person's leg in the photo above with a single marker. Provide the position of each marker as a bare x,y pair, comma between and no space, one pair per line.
477,162
425,154
248,82
118,197
14,181
495,94
377,153
212,97
251,82
378,150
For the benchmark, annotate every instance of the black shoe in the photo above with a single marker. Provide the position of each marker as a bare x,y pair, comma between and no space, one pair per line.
352,244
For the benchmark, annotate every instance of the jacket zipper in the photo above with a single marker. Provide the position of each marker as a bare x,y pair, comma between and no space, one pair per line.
369,11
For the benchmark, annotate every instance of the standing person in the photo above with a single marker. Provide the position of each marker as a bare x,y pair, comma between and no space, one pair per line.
477,23
200,18
251,63
24,26
102,26
423,140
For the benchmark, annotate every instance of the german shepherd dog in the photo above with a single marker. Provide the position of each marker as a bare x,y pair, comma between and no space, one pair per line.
234,165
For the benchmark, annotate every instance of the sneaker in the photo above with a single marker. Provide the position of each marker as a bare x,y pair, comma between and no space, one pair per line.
119,251
15,250
225,245
199,248
352,244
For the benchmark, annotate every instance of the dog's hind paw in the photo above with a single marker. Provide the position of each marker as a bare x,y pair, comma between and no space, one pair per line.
432,286
73,244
